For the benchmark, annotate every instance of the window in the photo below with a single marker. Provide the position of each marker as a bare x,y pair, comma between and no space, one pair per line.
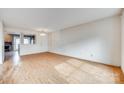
29,39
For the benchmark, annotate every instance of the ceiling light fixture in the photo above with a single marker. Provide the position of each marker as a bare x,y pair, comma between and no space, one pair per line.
42,34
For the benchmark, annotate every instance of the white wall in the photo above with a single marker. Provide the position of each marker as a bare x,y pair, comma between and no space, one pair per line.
122,42
98,41
41,41
40,46
1,44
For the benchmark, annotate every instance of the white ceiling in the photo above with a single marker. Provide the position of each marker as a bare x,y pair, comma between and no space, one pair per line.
53,19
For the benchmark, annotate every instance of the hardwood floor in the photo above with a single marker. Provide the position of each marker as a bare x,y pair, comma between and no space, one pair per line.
50,68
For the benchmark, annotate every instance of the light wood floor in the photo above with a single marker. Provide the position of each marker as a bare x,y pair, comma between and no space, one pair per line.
49,68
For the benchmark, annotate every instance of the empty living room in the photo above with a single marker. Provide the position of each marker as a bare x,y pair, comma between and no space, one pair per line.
61,46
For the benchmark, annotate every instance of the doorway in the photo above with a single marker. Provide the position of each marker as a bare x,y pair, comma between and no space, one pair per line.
16,43
12,47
